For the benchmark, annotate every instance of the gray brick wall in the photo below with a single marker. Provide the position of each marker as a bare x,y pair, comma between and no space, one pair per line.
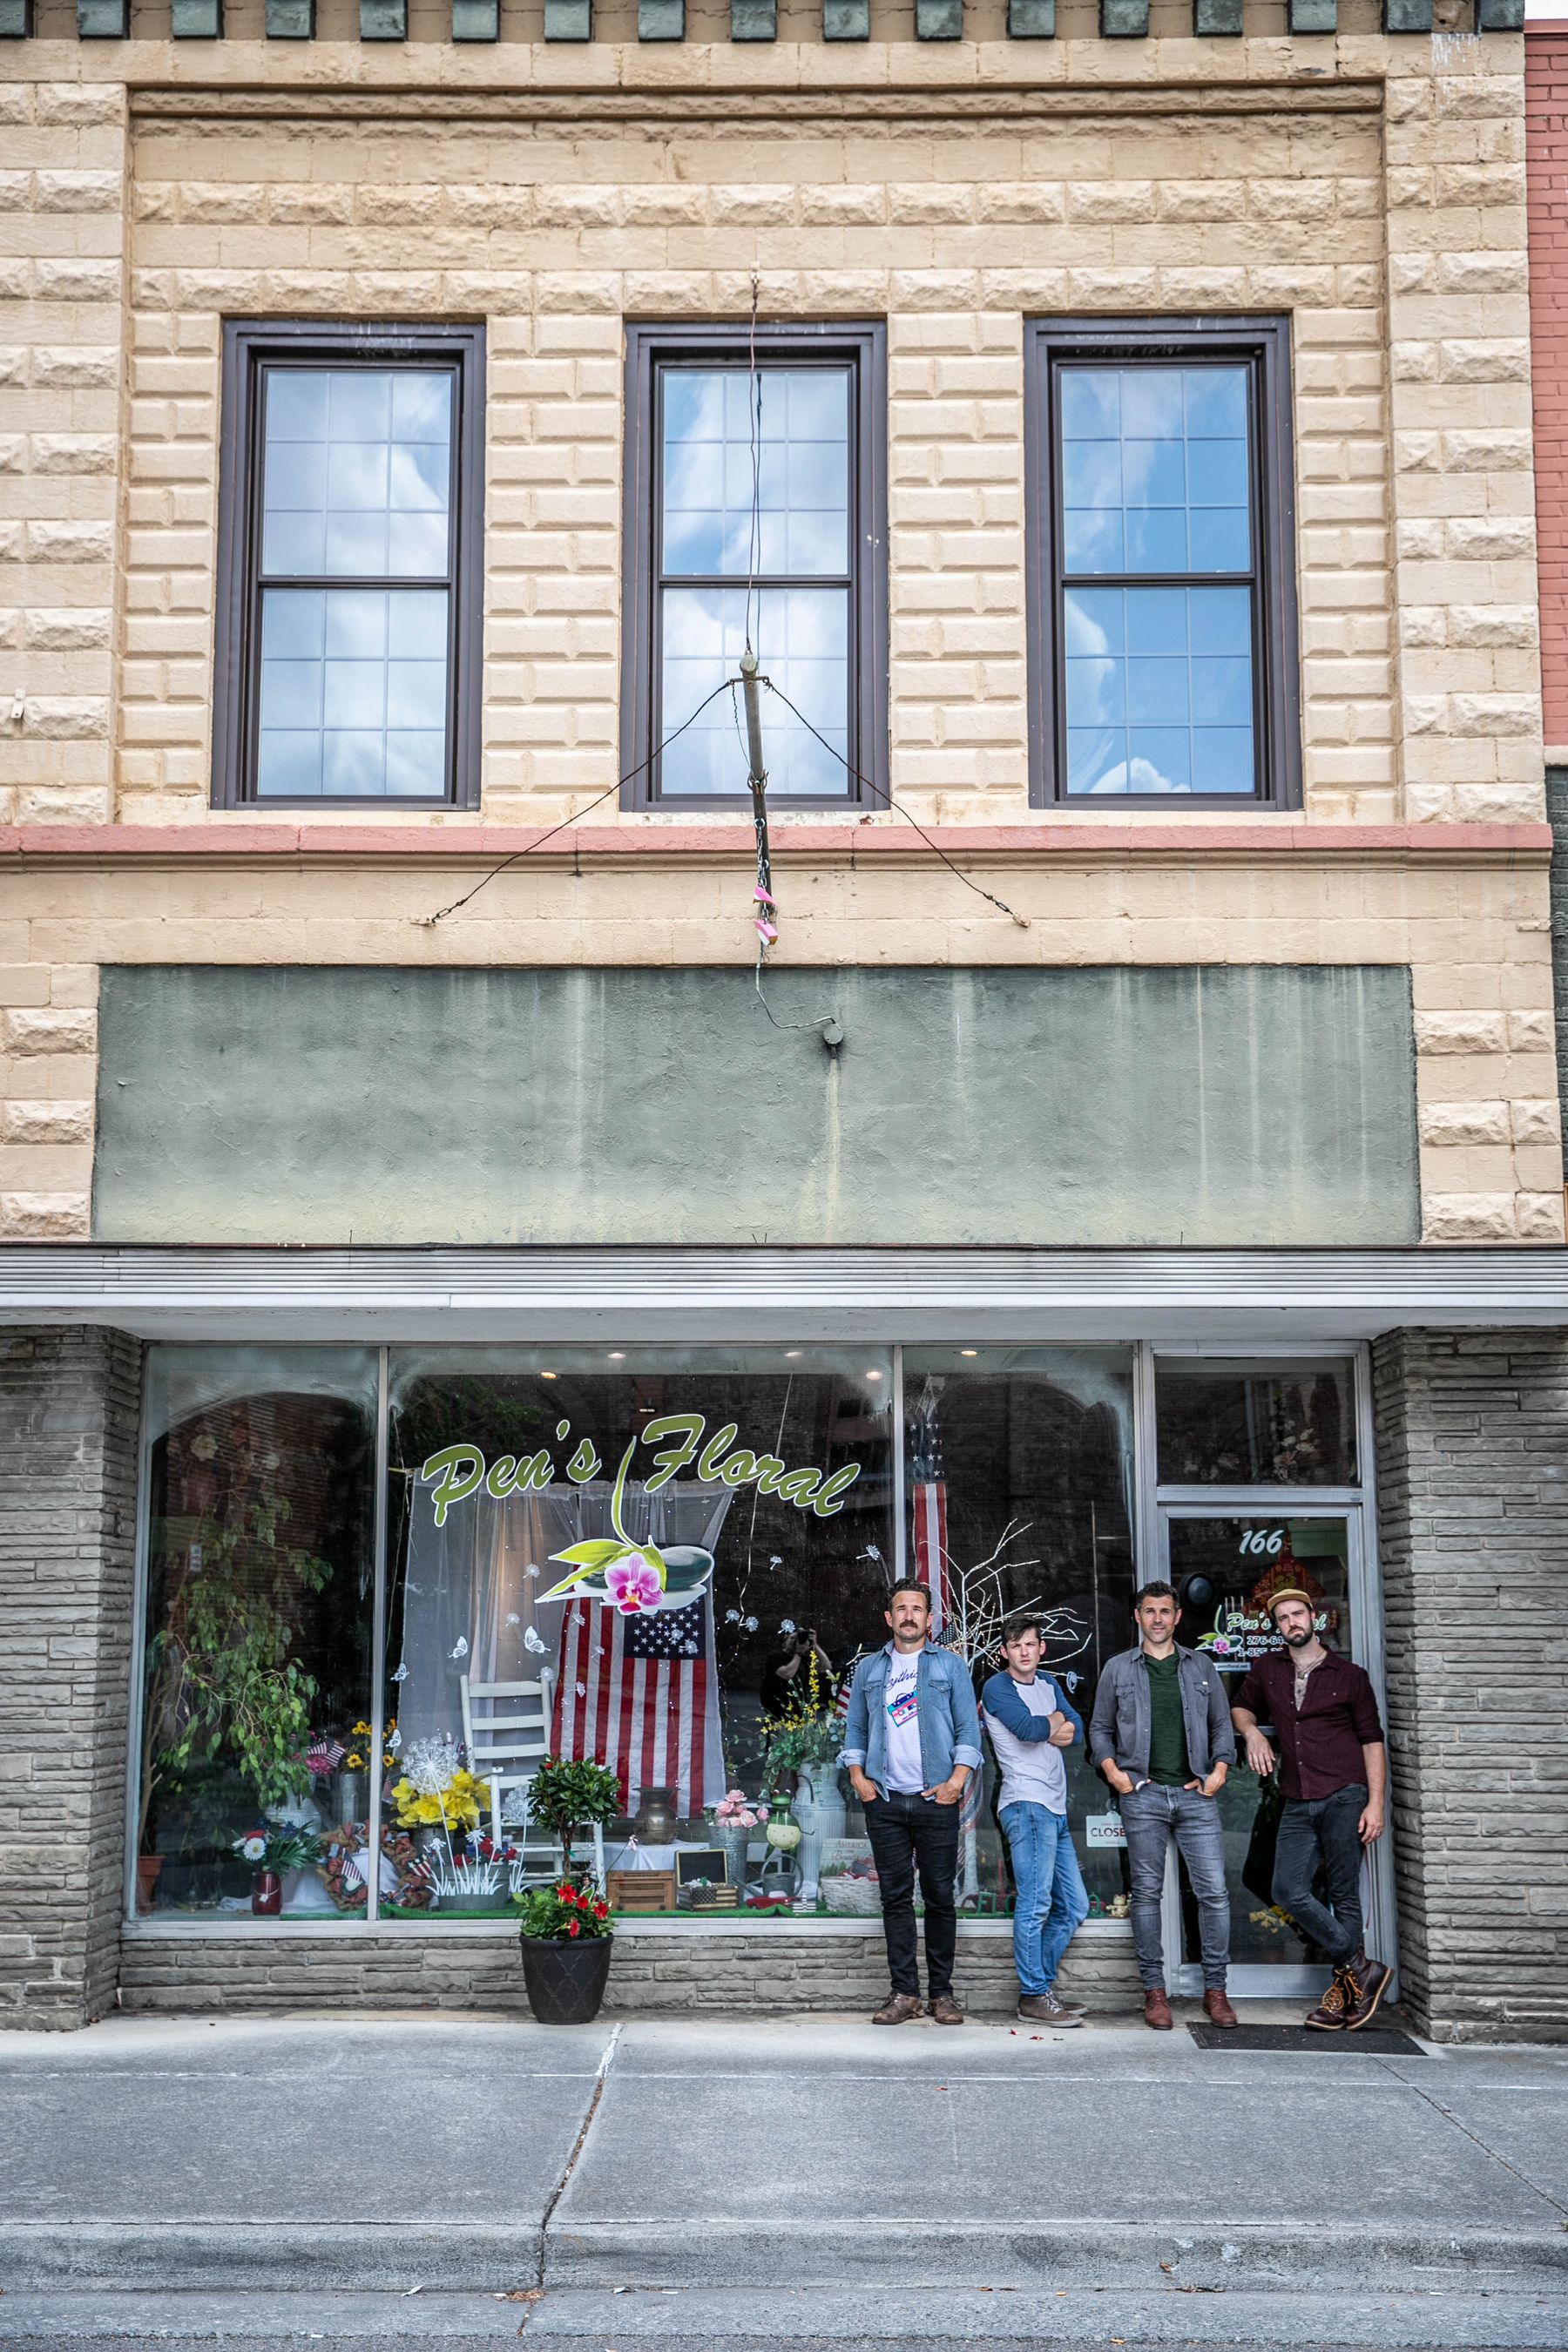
777,1967
1472,1465
69,1405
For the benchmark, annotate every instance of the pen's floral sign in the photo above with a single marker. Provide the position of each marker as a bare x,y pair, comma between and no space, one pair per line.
634,1576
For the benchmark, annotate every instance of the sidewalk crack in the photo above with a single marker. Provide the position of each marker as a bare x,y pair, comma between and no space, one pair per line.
600,2078
1477,2141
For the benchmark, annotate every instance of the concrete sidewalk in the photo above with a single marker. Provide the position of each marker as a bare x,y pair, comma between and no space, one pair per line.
484,2155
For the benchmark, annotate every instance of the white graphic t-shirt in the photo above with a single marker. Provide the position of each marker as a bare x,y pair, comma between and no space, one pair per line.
904,1725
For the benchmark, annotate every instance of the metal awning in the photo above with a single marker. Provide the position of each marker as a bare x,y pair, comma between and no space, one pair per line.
1209,1297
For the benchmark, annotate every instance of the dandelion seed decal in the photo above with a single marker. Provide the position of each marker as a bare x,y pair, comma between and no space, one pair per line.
512,1617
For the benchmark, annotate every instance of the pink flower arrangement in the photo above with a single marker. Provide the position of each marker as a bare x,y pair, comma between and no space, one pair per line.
634,1584
735,1811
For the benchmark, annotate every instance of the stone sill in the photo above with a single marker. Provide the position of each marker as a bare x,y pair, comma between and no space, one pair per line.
1118,838
777,1930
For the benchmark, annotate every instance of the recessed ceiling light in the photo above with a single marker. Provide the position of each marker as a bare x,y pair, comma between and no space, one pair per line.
549,1376
791,1351
618,1355
873,1376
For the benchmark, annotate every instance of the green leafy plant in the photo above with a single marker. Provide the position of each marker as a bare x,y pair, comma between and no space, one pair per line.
223,1683
562,1913
568,1799
810,1731
280,1847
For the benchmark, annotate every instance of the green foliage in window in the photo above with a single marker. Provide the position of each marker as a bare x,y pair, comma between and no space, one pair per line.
568,1797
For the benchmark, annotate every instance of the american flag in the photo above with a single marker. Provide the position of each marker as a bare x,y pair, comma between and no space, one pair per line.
640,1694
928,1491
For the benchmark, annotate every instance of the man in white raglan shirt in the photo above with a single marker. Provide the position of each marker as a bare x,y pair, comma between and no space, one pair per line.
1030,1723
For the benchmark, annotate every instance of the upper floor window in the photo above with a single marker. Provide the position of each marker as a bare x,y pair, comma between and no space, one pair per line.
1162,628
754,514
350,588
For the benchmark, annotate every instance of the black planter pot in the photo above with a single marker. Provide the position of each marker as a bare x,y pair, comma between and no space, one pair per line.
566,1979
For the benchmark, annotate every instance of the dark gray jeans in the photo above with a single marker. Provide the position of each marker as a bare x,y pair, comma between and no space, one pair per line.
1324,1830
1151,1816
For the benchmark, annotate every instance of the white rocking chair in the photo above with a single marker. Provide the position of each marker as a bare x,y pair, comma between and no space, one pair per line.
505,1749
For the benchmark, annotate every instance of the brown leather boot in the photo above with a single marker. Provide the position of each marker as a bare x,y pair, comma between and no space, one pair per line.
1329,2017
1366,1981
898,2009
1157,2009
945,2009
1218,2010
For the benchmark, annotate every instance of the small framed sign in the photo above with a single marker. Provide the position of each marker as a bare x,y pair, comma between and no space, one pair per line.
708,1862
1103,1829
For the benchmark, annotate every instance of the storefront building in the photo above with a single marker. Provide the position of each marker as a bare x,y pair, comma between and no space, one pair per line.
441,1254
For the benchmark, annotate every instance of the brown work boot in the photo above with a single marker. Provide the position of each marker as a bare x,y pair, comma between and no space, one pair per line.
898,2009
1366,1981
945,2009
1220,2010
1157,2009
1329,2017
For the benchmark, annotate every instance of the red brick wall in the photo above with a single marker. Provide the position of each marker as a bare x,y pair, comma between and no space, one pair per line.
1546,150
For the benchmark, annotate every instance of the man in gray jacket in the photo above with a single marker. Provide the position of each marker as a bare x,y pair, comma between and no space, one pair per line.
1161,1735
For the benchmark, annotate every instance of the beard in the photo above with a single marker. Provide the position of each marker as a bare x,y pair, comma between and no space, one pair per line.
1298,1640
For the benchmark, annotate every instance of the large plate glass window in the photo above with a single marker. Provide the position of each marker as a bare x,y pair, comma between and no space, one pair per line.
254,1761
754,484
349,607
1162,633
1018,1478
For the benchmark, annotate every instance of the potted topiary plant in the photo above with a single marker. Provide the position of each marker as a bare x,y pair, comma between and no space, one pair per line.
569,1799
565,1937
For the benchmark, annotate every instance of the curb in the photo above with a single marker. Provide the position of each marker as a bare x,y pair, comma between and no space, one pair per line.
352,2255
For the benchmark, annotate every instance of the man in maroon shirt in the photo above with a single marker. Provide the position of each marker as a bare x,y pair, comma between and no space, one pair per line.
1333,1770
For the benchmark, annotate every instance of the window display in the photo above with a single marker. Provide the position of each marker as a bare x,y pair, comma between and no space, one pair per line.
255,1756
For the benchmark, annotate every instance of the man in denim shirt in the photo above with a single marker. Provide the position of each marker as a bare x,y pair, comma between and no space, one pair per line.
911,1742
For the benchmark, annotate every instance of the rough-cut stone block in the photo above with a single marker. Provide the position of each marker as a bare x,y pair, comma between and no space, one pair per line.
753,20
102,20
1031,20
938,20
568,20
196,20
383,20
661,20
1124,20
291,20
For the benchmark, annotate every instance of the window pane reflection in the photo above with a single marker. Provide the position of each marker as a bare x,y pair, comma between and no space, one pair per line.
799,473
1256,1423
801,635
356,472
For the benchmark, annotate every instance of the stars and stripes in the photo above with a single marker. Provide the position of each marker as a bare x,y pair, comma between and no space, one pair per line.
640,1693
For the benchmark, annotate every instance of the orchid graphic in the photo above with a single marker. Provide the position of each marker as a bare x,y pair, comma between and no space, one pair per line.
635,1577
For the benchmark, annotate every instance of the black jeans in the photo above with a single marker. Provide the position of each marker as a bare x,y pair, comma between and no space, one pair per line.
1326,1830
906,1831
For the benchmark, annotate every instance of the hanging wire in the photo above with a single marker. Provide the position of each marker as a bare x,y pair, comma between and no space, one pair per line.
587,809
898,810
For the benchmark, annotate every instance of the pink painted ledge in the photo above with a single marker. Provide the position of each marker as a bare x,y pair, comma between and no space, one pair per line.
227,838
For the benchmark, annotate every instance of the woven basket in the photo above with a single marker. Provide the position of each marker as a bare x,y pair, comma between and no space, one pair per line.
852,1898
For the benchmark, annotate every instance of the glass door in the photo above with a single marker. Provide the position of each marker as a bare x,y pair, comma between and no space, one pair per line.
1224,1566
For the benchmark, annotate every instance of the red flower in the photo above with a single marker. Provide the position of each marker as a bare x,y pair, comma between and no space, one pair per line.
574,1927
601,1910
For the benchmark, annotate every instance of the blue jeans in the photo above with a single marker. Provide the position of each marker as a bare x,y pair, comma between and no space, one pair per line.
1151,1816
1052,1904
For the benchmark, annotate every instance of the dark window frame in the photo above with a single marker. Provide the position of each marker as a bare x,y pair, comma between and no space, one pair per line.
650,348
1263,344
249,345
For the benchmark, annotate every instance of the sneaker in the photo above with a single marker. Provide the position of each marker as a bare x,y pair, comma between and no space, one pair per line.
1044,2009
1366,1981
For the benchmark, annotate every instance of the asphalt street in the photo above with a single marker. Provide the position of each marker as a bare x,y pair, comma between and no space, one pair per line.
802,2180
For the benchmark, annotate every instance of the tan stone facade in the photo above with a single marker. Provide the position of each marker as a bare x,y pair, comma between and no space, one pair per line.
1372,188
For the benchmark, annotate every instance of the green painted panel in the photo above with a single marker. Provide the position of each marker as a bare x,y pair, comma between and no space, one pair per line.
1212,1104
